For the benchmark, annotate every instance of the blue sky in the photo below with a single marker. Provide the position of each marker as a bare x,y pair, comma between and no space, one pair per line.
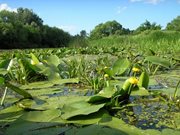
76,15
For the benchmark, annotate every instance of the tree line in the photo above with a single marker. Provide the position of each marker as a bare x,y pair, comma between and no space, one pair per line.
114,28
25,29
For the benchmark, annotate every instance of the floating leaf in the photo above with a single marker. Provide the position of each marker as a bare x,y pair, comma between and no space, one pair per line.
79,108
140,92
37,123
46,84
158,61
106,93
95,130
120,66
22,92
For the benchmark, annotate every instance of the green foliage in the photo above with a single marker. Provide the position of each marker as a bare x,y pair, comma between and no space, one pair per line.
147,26
174,25
25,29
100,88
108,28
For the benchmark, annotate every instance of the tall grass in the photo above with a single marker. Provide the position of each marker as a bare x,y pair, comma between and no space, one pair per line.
158,41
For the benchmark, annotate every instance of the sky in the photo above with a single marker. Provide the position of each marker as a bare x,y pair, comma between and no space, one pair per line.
76,15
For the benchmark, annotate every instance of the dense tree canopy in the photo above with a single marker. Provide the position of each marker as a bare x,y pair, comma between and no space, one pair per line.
25,29
108,28
174,24
147,26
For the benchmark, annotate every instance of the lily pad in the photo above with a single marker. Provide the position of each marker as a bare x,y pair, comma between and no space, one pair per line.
79,108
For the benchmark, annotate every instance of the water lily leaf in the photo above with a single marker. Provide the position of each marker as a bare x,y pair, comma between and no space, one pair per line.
53,60
32,105
10,114
143,80
41,116
79,108
95,130
1,80
22,92
83,120
120,66
46,84
140,92
170,131
35,122
158,61
106,93
119,124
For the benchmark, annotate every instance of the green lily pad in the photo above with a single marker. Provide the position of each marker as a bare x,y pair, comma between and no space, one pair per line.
159,61
106,93
79,108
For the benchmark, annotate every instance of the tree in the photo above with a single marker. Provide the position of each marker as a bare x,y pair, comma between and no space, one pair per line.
8,17
27,16
147,26
25,29
107,29
83,33
174,24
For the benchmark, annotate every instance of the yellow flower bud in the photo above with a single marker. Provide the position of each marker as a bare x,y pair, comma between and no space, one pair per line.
106,67
106,76
32,62
135,69
133,80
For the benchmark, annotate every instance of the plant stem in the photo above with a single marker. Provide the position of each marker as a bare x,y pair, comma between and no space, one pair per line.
176,90
155,70
4,96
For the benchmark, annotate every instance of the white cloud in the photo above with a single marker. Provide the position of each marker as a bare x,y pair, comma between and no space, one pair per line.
121,9
148,1
4,6
72,29
178,1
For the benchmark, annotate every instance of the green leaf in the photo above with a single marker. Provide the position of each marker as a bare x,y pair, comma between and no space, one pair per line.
1,80
53,60
140,92
79,108
37,122
46,84
22,92
10,114
95,130
106,93
3,71
143,80
5,63
34,59
120,66
158,61
83,120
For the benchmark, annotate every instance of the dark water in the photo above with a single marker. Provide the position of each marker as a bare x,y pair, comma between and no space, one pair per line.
149,113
